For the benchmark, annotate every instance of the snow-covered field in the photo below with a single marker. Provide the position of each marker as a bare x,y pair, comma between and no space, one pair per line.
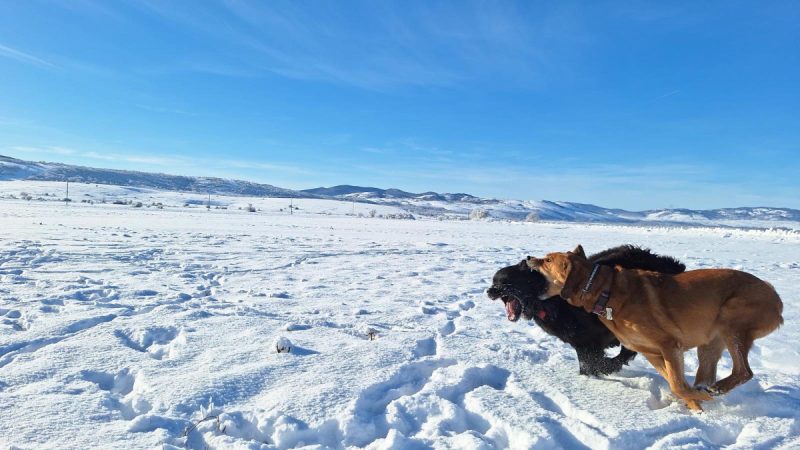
128,328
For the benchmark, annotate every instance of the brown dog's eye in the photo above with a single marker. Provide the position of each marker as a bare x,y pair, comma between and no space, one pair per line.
547,260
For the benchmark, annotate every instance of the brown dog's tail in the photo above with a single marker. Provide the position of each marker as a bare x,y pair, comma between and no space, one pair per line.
780,302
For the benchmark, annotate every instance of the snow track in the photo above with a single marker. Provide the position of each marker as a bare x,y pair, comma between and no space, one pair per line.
136,328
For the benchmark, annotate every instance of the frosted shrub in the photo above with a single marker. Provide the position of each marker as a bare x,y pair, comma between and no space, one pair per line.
478,213
532,216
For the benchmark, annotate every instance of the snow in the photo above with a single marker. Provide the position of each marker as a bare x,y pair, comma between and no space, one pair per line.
125,327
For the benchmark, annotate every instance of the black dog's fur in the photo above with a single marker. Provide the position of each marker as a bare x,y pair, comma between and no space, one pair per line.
582,330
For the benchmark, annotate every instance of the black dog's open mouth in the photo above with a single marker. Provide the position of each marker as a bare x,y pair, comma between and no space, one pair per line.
513,307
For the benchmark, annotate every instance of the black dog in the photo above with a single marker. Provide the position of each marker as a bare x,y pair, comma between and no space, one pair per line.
521,289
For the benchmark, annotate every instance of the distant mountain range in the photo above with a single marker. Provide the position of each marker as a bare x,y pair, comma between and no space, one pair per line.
457,205
370,193
16,169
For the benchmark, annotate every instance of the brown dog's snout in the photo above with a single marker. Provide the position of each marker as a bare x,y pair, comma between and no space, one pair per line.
533,262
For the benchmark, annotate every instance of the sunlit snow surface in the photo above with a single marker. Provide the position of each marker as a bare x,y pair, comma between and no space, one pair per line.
124,327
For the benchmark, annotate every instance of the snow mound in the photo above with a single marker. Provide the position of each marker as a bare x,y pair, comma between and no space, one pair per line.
282,345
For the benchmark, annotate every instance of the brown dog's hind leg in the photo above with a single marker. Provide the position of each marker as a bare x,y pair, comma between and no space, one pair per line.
739,346
709,356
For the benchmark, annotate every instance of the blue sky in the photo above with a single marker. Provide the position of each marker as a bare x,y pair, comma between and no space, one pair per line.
622,104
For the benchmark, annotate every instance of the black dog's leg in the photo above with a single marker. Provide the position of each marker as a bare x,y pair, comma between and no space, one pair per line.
593,361
625,356
608,366
589,359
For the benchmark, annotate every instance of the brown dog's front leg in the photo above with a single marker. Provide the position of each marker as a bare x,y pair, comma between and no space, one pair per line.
673,364
658,362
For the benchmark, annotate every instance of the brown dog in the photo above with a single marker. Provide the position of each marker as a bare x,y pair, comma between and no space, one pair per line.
661,316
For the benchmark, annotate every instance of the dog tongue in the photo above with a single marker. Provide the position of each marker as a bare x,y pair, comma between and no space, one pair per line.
511,309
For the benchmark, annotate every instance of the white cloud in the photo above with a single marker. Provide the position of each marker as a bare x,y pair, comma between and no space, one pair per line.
21,56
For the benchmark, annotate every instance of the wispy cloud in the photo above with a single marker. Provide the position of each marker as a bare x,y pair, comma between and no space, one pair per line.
135,158
49,149
253,165
165,110
377,150
24,57
382,45
186,164
668,94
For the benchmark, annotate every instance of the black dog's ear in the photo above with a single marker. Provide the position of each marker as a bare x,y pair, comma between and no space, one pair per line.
579,251
523,265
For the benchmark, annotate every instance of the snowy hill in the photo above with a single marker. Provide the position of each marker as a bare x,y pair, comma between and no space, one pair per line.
15,169
431,204
462,205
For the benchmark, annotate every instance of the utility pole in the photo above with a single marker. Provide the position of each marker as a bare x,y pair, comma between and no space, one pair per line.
208,205
66,199
354,207
291,206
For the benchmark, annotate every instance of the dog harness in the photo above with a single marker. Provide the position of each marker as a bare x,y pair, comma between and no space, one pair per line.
599,308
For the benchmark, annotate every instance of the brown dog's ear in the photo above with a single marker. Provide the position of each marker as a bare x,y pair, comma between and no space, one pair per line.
579,251
573,281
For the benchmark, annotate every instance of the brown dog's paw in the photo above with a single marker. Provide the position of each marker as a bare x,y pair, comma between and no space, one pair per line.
700,395
694,406
713,391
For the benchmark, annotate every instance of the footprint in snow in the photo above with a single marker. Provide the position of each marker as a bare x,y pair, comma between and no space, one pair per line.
296,327
425,347
145,293
159,342
467,305
125,391
448,328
